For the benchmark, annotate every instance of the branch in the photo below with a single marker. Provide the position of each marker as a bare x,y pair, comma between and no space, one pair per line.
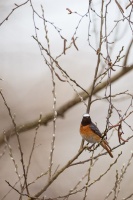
64,108
98,60
59,172
17,6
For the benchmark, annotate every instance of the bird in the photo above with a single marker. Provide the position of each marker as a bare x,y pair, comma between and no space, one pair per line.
91,133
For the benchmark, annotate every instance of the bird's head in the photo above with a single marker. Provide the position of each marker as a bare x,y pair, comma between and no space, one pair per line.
86,119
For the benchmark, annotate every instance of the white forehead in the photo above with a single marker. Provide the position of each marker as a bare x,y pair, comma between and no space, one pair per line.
86,115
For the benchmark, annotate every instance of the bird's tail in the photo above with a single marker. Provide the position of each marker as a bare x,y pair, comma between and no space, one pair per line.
105,145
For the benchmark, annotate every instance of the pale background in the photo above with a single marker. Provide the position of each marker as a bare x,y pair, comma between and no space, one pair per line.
27,87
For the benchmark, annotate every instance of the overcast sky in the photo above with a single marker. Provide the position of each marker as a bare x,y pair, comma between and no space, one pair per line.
27,79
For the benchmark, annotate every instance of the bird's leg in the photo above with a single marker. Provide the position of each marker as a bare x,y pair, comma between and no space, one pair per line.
89,148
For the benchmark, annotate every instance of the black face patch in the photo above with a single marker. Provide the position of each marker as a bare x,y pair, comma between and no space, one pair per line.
86,120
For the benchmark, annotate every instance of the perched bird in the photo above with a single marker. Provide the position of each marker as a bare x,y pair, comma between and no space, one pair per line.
91,133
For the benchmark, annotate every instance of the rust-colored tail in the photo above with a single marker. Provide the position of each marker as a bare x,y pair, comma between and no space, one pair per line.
105,145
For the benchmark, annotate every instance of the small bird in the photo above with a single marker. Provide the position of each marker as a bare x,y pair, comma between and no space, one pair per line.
91,133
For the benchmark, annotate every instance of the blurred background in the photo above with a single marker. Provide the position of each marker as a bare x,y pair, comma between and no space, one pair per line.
27,87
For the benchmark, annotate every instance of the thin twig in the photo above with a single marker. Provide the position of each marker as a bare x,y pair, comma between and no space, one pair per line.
59,172
18,139
17,6
98,59
61,111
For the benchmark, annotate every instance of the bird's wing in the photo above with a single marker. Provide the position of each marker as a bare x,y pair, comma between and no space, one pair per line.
95,129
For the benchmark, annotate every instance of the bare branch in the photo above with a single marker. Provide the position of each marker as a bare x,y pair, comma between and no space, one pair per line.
64,108
17,6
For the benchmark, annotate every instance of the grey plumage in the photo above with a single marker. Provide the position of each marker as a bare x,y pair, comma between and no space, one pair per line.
95,129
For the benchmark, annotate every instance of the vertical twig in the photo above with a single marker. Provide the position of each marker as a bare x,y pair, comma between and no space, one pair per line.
54,98
54,127
88,178
33,146
98,59
109,70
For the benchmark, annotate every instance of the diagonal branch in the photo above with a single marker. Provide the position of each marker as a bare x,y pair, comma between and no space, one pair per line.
64,108
17,6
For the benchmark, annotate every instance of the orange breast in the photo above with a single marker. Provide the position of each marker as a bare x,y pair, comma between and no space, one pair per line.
88,134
